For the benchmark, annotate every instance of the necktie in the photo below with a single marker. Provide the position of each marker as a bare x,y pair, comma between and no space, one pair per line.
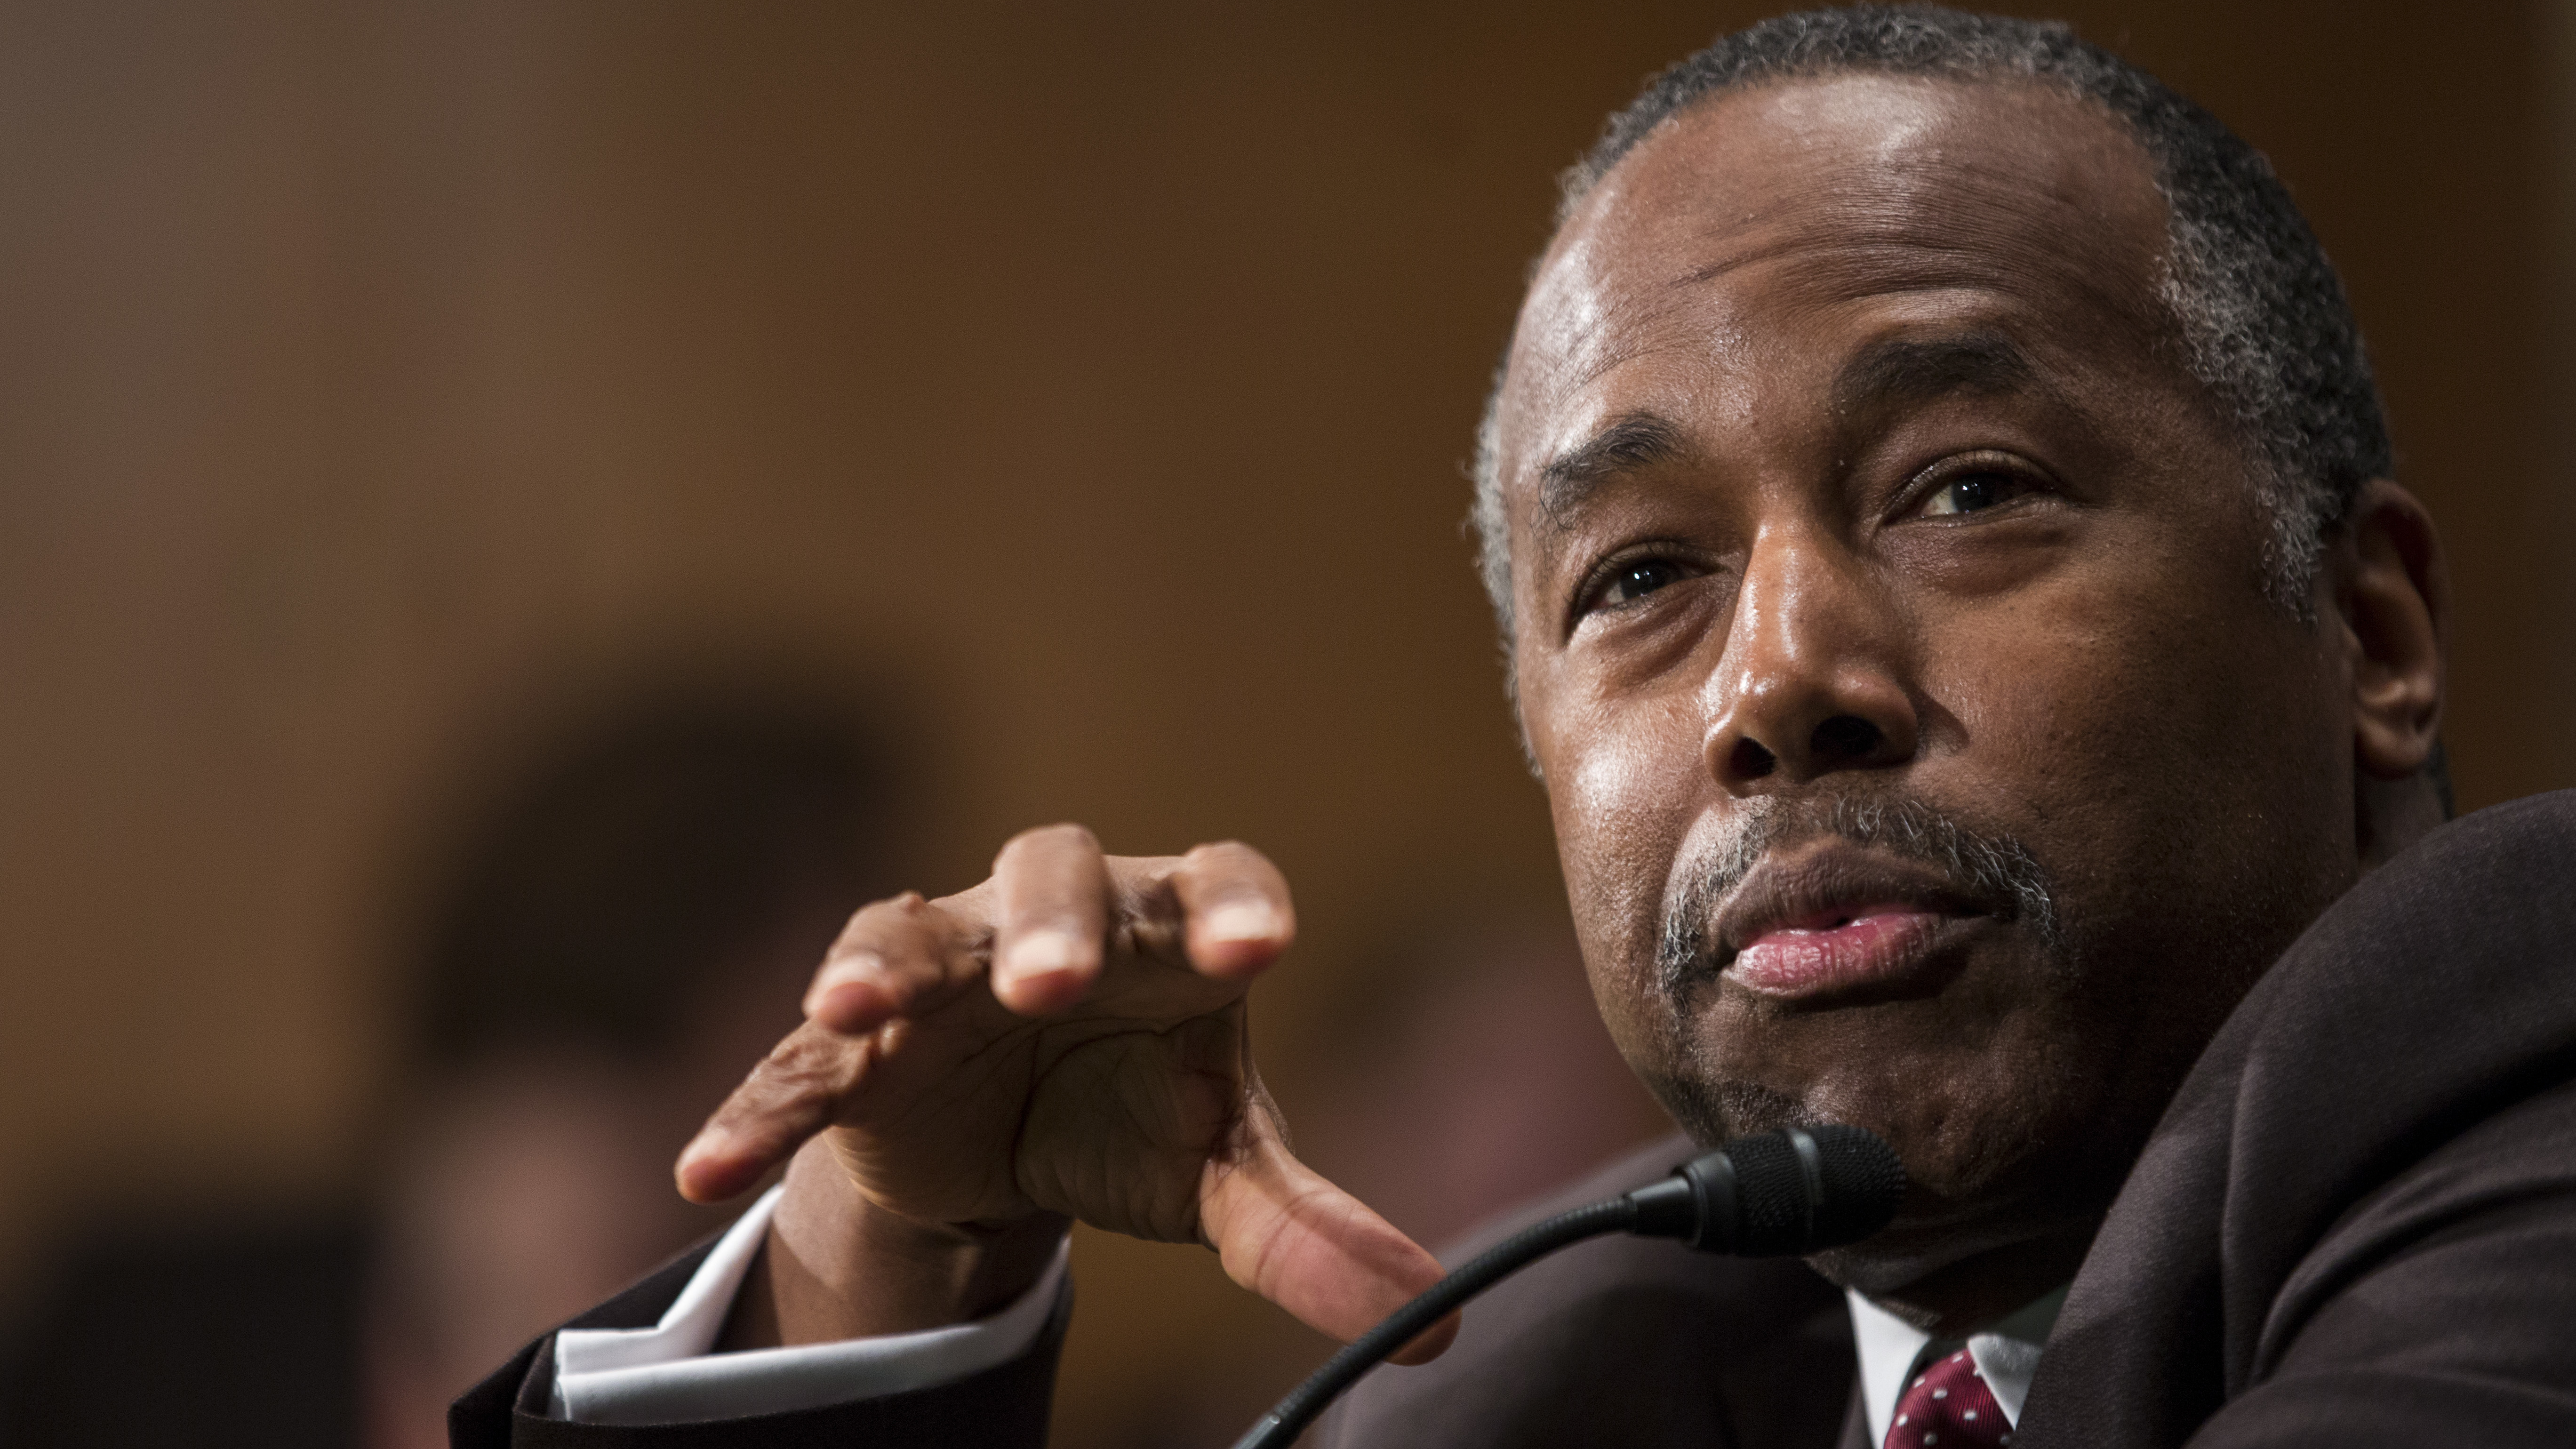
1948,1407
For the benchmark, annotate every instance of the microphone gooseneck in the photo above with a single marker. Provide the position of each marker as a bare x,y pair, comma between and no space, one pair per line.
1796,1191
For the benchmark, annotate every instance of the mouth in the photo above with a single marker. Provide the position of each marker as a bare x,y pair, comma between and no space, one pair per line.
1838,951
1834,919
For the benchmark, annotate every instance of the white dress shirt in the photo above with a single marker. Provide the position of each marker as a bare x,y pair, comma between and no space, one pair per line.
2006,1355
667,1374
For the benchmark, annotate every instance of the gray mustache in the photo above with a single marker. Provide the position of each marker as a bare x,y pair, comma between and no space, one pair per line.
1986,867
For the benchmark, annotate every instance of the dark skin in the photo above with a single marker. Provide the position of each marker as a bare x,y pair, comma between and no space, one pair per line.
1933,510
1847,455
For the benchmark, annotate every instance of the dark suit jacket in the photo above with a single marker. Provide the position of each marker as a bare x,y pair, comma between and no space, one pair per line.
2356,1225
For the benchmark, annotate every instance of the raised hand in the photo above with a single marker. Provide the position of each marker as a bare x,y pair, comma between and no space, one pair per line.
1066,1040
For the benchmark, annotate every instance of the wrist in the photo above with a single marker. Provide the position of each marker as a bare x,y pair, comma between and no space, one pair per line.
838,1266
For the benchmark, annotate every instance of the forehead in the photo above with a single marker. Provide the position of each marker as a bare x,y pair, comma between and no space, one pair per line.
1755,241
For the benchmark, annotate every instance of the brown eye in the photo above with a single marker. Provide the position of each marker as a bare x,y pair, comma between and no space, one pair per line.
1973,493
1633,581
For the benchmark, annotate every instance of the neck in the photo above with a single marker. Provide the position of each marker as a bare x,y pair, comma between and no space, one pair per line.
1972,1294
2390,815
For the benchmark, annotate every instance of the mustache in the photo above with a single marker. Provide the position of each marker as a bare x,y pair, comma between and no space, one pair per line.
1994,869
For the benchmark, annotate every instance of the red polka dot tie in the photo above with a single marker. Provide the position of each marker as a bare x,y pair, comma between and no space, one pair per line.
1948,1407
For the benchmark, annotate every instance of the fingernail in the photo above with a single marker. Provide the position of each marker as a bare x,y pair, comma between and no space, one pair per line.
1240,921
1044,953
708,1142
852,969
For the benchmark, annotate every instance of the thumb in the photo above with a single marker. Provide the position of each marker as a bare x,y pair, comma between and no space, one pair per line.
1285,1233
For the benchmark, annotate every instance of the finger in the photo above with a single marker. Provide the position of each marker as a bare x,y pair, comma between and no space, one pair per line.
1051,913
793,1094
896,958
1285,1233
1236,905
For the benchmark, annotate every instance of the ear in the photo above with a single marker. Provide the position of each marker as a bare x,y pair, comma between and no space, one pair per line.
2394,599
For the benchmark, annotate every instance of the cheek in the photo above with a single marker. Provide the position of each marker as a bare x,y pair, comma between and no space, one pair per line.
1623,789
2157,752
2103,705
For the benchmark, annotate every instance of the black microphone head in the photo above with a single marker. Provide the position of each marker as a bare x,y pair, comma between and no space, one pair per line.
1864,1180
1797,1191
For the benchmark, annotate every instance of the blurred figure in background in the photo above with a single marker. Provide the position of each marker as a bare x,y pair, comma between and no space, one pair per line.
616,939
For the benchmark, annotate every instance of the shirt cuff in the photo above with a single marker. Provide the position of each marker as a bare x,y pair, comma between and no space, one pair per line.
666,1374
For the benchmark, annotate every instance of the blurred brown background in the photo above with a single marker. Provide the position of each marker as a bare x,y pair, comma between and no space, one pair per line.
1082,389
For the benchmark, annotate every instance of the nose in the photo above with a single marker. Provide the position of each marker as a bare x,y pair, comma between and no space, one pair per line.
1812,679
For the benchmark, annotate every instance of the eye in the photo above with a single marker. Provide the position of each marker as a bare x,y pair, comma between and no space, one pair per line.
1633,580
1975,488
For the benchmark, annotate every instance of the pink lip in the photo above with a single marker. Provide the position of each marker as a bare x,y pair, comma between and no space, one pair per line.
1851,948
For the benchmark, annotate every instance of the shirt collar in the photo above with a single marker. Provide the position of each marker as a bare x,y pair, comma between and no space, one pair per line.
2006,1355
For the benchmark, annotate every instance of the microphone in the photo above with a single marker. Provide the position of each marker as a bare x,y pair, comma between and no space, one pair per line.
1796,1191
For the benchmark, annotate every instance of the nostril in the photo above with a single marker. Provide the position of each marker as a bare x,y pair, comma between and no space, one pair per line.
1749,761
1845,737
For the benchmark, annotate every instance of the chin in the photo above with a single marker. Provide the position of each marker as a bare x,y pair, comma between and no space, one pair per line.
1885,1275
1983,1173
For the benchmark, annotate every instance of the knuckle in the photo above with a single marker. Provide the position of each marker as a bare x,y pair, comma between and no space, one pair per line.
807,1063
1062,836
902,919
875,914
797,1054
1233,866
1226,855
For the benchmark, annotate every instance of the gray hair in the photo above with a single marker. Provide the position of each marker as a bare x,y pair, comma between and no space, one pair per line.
2258,309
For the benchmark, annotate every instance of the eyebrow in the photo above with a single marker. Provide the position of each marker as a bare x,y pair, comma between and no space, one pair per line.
1894,372
1902,370
1637,440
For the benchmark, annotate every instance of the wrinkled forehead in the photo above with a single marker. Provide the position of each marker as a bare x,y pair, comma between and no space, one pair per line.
1768,232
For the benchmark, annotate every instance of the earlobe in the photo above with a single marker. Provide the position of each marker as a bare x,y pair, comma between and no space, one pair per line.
2394,598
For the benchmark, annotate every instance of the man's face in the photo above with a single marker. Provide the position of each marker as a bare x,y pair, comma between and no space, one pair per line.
1891,631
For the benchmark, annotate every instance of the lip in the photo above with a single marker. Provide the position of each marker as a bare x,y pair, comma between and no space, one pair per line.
1832,917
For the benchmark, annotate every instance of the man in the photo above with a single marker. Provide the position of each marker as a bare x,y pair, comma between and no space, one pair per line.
1960,611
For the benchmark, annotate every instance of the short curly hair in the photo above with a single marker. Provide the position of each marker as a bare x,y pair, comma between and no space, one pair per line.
2258,309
